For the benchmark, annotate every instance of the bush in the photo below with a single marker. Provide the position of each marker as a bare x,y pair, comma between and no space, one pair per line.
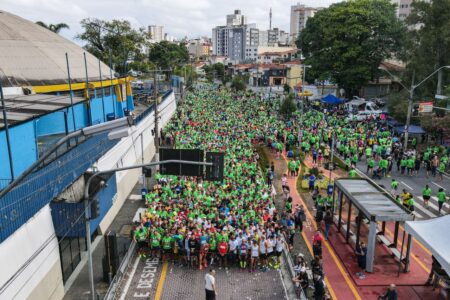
288,106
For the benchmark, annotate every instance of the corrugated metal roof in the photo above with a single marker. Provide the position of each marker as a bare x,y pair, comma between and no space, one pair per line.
23,108
31,55
372,201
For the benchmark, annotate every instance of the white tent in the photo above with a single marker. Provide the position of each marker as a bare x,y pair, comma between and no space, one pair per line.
435,236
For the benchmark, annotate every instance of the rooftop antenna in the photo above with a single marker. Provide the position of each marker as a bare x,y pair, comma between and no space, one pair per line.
270,17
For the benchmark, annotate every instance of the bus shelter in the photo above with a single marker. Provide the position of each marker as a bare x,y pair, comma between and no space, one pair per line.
364,202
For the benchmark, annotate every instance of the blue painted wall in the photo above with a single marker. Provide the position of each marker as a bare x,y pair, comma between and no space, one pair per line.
24,136
23,148
66,216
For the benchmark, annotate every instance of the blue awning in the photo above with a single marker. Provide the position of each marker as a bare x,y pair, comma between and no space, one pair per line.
331,99
413,129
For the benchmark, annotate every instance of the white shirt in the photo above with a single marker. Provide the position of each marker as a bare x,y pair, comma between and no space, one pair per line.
209,282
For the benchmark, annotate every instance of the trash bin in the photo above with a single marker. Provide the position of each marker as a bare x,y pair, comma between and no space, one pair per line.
144,192
330,190
110,117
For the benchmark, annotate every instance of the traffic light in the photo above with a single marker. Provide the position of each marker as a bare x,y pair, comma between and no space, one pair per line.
147,171
415,111
95,208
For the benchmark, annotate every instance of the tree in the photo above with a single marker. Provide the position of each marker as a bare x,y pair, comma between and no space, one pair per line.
116,37
238,83
288,106
347,41
168,55
430,32
56,28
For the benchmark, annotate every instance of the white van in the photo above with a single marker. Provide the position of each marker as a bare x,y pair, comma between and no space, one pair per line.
361,110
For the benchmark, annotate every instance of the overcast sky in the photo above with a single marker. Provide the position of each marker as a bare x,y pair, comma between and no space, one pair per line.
180,18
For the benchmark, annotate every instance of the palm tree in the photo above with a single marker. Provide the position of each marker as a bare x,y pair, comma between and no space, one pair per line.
56,28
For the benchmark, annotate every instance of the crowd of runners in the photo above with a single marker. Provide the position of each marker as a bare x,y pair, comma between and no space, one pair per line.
230,223
235,223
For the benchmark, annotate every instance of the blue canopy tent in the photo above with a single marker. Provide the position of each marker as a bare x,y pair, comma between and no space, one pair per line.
331,99
413,129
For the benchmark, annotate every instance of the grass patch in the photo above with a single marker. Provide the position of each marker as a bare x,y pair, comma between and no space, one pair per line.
263,159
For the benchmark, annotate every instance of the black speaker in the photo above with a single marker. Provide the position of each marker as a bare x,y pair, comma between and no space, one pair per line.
111,258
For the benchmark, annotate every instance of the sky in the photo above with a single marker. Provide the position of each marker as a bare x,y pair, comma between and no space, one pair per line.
180,18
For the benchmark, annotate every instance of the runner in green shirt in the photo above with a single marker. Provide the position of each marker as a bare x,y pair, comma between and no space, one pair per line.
394,185
426,194
442,198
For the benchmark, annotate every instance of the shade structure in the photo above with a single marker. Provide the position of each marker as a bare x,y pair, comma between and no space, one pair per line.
434,235
413,129
331,99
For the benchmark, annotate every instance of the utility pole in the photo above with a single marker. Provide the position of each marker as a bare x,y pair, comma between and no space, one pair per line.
8,140
155,92
408,116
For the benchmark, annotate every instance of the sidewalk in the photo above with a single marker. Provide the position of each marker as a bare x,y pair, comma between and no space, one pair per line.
122,224
339,283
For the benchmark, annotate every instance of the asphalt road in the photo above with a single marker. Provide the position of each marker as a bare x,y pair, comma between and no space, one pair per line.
415,185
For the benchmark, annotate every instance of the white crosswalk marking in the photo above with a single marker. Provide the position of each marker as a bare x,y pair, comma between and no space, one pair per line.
433,204
418,206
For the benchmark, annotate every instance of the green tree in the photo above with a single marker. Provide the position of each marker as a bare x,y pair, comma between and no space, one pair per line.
430,32
288,106
347,41
168,55
56,28
116,37
238,83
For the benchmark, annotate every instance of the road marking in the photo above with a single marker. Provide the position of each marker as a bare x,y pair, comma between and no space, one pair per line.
407,186
425,210
162,278
330,289
434,206
130,277
426,269
284,286
438,185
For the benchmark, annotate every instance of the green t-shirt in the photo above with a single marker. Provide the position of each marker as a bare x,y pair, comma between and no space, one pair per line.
426,192
441,196
167,242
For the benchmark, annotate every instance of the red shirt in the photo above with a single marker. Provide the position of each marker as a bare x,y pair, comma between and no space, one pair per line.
223,248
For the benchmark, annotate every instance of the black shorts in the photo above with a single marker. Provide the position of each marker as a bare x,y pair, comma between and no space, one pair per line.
270,254
167,251
156,248
278,253
426,197
142,244
263,255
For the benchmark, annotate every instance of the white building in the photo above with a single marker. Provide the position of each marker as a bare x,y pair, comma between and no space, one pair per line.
156,32
299,15
236,19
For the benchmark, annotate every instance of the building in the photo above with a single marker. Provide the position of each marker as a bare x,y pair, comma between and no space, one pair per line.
299,16
231,40
199,48
269,55
157,33
236,19
42,106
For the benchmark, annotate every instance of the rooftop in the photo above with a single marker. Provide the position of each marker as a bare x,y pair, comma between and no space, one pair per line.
374,202
31,55
26,107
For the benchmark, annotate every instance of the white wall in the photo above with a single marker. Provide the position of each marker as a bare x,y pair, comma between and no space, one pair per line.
128,152
29,260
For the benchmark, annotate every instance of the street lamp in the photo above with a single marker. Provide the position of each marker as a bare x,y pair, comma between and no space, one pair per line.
410,100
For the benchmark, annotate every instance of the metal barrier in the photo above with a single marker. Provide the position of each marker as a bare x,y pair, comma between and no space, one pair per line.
111,293
289,263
